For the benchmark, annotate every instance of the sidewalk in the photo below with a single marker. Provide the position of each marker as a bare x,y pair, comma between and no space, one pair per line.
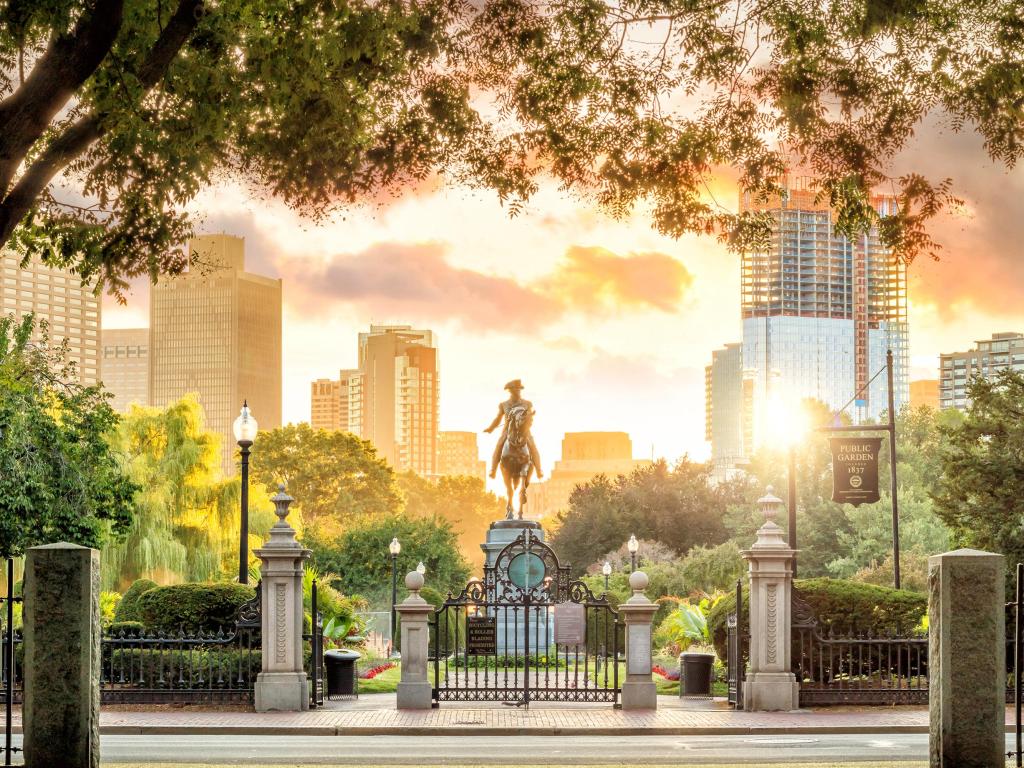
376,715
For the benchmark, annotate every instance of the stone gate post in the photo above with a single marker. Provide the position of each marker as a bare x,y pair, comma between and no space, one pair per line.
61,710
966,659
414,691
638,689
770,685
282,683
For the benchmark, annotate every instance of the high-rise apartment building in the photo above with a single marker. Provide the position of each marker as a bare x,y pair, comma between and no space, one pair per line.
216,331
71,309
125,366
334,402
820,311
459,454
1004,351
399,398
585,455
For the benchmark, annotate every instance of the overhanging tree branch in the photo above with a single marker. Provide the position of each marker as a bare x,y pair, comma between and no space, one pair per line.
69,61
80,135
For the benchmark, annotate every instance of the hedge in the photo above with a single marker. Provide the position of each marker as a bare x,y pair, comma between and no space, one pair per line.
128,608
193,607
841,606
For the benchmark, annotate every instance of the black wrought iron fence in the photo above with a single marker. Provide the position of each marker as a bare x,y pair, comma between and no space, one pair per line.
860,669
202,666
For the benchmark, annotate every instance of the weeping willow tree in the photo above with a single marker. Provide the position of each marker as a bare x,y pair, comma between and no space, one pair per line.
185,526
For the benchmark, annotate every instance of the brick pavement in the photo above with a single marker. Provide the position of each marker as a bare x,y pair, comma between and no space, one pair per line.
364,718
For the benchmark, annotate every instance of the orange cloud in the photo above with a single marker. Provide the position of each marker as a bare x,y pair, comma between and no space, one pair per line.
594,278
415,281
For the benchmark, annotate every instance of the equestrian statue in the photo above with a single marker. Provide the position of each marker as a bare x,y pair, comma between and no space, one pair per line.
515,451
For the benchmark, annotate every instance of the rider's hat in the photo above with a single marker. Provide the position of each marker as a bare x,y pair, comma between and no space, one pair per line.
514,384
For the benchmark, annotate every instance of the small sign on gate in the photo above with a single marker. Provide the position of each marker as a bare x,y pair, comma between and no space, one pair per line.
570,624
481,635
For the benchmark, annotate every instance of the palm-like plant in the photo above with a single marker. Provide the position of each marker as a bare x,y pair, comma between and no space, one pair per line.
687,625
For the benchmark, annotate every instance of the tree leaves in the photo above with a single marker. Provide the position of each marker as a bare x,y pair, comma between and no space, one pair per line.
636,105
59,478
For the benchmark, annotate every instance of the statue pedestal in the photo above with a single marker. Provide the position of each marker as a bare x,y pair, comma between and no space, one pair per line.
511,622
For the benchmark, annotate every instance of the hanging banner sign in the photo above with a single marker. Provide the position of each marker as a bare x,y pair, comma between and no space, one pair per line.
855,469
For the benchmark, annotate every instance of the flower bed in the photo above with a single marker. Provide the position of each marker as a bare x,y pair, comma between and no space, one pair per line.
660,670
374,671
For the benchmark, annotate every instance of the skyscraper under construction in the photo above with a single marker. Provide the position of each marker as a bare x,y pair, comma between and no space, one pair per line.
819,313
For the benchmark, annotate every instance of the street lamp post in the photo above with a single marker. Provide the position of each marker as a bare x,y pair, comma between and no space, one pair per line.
245,432
606,569
634,547
421,568
394,547
791,501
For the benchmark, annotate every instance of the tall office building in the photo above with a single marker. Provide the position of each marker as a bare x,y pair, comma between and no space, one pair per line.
57,296
399,397
334,402
585,455
125,366
459,454
820,311
1004,351
727,408
216,331
924,392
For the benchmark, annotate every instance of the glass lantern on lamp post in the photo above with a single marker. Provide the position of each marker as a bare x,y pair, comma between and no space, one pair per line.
245,433
606,569
634,547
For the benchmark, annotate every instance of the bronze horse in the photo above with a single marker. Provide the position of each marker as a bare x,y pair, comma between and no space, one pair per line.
516,465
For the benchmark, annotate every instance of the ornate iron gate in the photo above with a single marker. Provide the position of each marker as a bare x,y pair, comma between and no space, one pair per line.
527,632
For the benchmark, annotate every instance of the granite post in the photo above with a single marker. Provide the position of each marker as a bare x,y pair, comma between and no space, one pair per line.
771,685
966,659
638,689
414,692
282,684
61,709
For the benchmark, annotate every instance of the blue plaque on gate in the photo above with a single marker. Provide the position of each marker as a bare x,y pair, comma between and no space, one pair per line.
526,570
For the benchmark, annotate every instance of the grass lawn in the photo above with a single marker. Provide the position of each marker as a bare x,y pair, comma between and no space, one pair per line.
385,682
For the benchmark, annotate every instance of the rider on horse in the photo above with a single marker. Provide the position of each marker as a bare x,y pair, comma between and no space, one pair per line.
515,388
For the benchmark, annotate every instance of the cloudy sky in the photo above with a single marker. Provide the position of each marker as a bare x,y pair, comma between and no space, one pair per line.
608,323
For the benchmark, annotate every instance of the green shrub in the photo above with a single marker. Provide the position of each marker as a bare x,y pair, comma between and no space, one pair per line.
128,608
843,607
193,607
129,628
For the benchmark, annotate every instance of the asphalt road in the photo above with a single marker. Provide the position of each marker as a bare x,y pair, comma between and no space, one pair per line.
552,750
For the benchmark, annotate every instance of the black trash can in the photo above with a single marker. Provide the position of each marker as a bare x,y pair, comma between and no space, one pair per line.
695,674
341,673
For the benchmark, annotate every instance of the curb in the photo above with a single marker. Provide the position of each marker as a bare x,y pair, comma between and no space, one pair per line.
286,730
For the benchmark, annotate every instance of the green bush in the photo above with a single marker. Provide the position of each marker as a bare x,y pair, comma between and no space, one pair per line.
128,608
129,628
843,607
193,607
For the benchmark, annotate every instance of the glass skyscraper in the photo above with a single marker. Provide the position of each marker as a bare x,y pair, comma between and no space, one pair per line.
819,313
